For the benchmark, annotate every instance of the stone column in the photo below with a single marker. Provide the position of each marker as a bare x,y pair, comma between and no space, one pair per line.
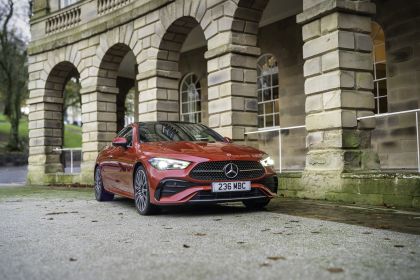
99,125
232,90
158,95
45,134
338,87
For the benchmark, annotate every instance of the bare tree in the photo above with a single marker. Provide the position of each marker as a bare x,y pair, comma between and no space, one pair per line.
13,73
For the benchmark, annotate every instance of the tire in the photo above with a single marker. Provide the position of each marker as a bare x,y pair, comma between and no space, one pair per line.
100,193
142,193
256,204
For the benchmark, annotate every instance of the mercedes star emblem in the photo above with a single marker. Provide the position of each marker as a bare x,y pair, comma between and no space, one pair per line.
231,170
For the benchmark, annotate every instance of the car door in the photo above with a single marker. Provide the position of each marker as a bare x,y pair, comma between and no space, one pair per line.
110,165
126,158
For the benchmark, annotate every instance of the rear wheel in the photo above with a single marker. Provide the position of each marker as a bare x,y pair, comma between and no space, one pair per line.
142,193
100,193
256,204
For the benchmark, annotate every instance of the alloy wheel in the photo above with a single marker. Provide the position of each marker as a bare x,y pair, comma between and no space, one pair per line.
141,189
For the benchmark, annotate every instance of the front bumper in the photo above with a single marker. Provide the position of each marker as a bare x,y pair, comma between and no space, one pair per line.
180,191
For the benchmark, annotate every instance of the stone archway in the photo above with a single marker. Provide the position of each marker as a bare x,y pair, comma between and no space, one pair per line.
46,124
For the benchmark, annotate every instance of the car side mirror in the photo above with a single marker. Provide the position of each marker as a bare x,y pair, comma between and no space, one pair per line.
119,142
227,140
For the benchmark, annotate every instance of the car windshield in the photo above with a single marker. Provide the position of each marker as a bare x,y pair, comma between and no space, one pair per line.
176,131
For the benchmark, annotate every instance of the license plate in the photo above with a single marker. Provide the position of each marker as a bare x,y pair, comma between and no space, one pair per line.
231,186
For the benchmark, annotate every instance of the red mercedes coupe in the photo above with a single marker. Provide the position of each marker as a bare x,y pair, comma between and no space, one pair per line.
172,163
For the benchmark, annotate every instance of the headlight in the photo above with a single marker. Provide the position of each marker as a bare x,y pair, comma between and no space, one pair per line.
267,161
168,164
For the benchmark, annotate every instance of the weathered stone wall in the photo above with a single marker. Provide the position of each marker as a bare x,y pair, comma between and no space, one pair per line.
394,137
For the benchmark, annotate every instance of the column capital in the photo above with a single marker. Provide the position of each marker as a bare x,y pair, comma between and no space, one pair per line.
231,48
325,7
144,75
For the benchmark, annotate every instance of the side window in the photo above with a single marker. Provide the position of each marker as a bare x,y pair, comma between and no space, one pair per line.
127,133
129,136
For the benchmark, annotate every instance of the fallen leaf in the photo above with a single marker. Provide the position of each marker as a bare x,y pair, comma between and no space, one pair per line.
200,234
366,232
276,258
335,269
241,242
399,246
168,228
186,246
217,219
266,229
265,264
94,221
72,259
315,232
277,232
56,213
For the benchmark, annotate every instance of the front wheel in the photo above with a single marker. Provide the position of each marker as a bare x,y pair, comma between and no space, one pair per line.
142,193
256,204
100,193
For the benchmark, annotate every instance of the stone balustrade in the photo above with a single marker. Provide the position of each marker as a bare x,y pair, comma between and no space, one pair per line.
61,21
106,6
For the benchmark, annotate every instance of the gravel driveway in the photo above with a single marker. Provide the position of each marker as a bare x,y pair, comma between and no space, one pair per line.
65,234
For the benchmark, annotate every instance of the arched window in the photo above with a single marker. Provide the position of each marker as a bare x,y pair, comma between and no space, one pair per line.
268,91
379,69
190,99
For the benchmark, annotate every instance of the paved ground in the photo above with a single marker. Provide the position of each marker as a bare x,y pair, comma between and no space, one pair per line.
13,175
65,234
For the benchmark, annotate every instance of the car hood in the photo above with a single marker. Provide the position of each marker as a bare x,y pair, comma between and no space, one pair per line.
204,150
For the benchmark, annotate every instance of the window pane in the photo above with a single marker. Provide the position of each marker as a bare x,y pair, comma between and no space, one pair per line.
260,109
380,70
383,105
275,79
269,108
266,94
275,93
382,88
269,120
261,121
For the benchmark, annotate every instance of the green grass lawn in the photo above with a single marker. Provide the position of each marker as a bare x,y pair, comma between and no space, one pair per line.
72,136
72,133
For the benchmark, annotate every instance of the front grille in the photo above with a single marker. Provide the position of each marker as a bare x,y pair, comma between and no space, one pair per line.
209,195
213,170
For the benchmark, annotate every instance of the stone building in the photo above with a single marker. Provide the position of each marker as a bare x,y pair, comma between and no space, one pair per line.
307,75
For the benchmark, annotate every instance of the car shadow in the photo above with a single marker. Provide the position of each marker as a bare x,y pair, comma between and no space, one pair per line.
193,209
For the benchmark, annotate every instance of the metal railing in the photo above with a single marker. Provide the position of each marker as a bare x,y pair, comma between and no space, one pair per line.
279,130
71,150
416,113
